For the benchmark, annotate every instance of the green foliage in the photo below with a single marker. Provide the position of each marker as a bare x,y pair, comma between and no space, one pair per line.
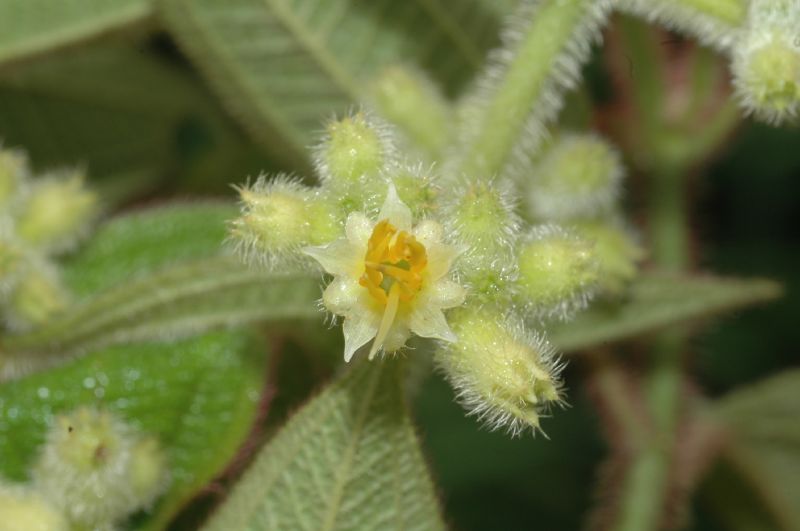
197,396
175,302
96,107
38,26
762,457
348,460
102,86
657,300
157,274
283,66
144,241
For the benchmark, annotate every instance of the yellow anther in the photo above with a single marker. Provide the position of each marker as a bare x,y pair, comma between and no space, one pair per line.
393,258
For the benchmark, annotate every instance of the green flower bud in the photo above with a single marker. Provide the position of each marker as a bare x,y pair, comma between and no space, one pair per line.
480,214
578,176
148,471
412,102
557,273
87,469
356,147
24,509
416,188
617,254
278,217
13,170
56,213
502,374
36,295
12,258
766,61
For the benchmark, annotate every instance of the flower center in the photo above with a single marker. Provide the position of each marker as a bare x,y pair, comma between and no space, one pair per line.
395,261
393,268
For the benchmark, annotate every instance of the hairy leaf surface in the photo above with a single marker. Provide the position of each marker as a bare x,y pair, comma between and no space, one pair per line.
283,66
762,459
347,460
198,396
659,300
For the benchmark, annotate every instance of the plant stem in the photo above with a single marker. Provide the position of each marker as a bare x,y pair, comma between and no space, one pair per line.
648,480
523,90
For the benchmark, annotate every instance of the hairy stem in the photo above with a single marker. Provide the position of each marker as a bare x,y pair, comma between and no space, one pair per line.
712,21
648,478
522,91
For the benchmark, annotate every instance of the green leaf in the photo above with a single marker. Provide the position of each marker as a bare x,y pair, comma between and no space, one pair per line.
97,108
762,457
198,396
178,301
139,243
30,27
658,300
283,66
347,460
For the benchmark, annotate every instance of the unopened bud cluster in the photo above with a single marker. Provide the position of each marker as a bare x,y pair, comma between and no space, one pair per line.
766,61
576,183
448,257
420,227
92,472
40,218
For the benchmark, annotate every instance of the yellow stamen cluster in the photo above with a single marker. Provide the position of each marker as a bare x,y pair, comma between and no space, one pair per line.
394,263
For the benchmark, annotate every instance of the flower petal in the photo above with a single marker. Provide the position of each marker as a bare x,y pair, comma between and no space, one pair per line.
395,210
359,327
440,259
428,321
397,337
445,294
341,295
428,232
358,229
340,257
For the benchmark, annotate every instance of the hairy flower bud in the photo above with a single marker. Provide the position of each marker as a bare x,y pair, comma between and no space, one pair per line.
578,176
766,61
480,214
12,259
273,221
36,295
416,188
24,509
13,169
557,272
503,374
356,146
56,212
87,468
147,471
617,254
414,104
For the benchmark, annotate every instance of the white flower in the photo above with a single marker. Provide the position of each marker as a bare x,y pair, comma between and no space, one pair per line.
390,279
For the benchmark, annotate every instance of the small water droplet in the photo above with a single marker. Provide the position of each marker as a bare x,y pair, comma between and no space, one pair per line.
43,393
89,382
100,392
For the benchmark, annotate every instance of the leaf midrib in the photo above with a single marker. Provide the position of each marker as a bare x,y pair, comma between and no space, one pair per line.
344,469
309,42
